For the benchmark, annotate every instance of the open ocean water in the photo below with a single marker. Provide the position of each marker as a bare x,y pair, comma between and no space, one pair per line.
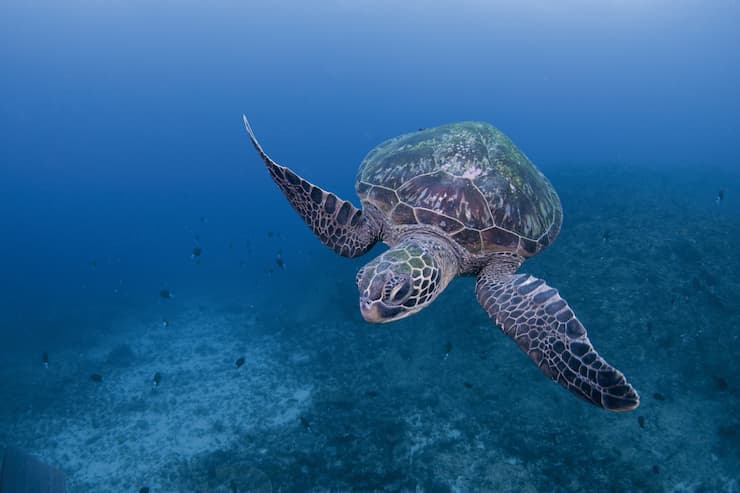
168,322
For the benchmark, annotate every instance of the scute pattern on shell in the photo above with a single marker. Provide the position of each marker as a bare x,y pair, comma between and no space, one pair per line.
467,179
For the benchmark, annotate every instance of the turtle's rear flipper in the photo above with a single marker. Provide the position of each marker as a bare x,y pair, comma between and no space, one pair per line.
339,225
543,325
23,473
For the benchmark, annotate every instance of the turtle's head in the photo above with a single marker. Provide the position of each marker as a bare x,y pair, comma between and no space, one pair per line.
401,282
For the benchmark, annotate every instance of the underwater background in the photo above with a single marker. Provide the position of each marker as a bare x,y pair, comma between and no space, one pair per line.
199,338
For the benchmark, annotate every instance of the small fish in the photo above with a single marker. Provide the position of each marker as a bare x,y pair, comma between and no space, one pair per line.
239,362
94,265
306,424
448,349
165,323
656,469
196,252
421,129
45,358
468,385
720,197
371,393
641,421
156,379
270,234
166,294
203,219
606,236
233,487
658,396
144,489
279,260
721,383
96,377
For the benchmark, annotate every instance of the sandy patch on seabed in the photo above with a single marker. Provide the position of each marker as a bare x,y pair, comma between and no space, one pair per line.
125,433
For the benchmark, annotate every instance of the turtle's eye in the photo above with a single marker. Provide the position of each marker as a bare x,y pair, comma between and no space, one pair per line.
396,290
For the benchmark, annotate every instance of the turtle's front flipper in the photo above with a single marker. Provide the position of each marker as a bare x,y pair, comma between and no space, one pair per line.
543,325
339,225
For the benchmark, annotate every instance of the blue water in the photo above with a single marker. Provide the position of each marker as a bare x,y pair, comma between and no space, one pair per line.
122,149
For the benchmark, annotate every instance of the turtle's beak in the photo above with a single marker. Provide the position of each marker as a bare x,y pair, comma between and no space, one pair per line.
377,312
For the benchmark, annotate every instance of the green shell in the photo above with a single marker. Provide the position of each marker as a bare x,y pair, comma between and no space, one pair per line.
469,180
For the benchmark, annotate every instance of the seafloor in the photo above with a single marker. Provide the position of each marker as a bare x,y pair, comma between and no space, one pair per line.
438,402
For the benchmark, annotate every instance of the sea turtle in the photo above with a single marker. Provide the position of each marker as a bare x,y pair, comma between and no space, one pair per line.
458,199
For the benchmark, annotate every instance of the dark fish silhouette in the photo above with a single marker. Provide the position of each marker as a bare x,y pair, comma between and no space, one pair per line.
196,252
279,260
239,362
203,219
606,236
166,294
448,349
468,385
157,378
45,358
721,383
144,489
94,264
305,424
720,197
165,323
96,377
659,396
233,487
641,421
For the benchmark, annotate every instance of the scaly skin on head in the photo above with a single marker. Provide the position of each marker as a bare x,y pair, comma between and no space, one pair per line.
405,279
